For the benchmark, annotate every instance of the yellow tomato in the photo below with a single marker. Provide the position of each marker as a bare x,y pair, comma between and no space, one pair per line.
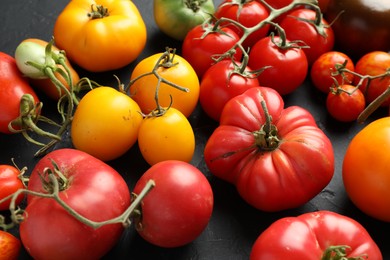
100,35
105,123
166,137
180,73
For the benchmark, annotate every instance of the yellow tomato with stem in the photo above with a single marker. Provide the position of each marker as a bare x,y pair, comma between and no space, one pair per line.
105,123
166,136
169,75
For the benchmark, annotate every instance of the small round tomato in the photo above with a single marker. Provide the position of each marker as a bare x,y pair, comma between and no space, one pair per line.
9,246
297,27
345,103
175,70
324,66
105,123
365,169
10,182
166,137
247,13
373,64
177,210
204,42
221,82
100,35
288,67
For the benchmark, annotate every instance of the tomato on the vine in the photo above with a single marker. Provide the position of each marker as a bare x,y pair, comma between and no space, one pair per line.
204,43
166,136
9,246
106,123
366,168
345,103
169,67
100,35
288,65
10,182
322,72
177,210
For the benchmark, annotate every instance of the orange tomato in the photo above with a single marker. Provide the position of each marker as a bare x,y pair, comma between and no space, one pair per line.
9,246
100,35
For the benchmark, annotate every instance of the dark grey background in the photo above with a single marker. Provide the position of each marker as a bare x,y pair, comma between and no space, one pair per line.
234,225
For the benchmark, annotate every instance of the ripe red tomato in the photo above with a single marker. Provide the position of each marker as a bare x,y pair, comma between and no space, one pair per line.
177,210
366,168
9,184
248,14
268,163
9,246
346,103
297,27
202,43
93,189
315,235
324,66
12,87
220,83
288,69
373,64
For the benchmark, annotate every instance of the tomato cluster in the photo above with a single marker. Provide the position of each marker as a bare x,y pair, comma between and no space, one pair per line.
237,61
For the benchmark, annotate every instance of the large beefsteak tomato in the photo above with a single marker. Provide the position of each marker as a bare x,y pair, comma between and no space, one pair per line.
275,164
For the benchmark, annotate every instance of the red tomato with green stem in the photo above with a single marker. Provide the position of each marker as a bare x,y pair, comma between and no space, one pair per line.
221,82
345,103
205,42
287,63
322,235
248,13
177,210
312,29
9,246
263,149
91,188
323,71
12,87
10,182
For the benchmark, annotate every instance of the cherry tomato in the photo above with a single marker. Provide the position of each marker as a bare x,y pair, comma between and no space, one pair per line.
203,43
345,103
288,69
166,137
106,123
373,64
100,35
9,246
91,188
297,27
220,83
323,4
9,184
178,71
323,68
366,168
177,210
315,235
12,87
248,13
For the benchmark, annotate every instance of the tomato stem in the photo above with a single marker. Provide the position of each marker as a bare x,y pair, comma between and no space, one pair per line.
98,11
340,253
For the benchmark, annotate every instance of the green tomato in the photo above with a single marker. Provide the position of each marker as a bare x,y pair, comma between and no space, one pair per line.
176,17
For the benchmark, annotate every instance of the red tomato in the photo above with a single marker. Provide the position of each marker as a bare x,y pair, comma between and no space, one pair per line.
345,104
269,167
324,66
288,69
9,184
315,235
12,87
323,4
202,43
178,209
220,83
248,13
297,27
93,189
9,246
374,63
